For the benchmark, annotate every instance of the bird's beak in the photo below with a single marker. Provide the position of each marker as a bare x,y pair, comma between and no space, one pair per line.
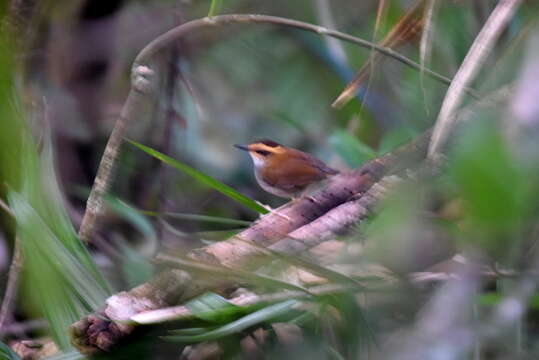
242,147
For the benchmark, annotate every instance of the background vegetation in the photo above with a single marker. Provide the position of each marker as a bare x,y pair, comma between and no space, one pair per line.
445,267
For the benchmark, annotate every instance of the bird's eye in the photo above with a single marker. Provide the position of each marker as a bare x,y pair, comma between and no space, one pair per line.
262,152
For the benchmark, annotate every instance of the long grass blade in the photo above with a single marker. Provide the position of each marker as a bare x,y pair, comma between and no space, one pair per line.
203,178
260,316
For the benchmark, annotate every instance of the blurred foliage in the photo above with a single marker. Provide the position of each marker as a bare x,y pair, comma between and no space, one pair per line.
59,270
6,353
483,166
61,279
238,83
270,313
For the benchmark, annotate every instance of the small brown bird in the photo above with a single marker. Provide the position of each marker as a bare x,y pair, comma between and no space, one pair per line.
284,171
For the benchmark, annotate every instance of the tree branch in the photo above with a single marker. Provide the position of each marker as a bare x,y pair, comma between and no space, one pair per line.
473,61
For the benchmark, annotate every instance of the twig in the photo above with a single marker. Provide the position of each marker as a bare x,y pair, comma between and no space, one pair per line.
19,329
425,44
12,283
6,208
323,11
94,205
473,61
174,34
102,181
14,271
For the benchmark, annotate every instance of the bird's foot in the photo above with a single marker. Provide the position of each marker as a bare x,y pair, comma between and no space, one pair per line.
308,197
311,199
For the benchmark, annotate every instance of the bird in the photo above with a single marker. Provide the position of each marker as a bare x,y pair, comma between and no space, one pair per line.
283,171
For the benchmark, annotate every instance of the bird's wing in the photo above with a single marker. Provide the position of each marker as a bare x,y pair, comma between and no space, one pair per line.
295,173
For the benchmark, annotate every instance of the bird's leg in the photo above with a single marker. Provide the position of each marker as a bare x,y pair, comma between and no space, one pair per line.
311,199
305,196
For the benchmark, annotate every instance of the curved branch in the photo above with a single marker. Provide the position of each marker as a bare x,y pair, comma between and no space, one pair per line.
174,34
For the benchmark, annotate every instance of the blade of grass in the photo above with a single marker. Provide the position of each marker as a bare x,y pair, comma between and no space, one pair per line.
60,278
263,315
67,355
136,217
247,276
213,308
350,148
215,6
196,217
203,178
6,353
67,289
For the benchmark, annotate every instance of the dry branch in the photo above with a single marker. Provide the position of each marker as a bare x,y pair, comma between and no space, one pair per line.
407,27
95,333
12,283
14,273
471,65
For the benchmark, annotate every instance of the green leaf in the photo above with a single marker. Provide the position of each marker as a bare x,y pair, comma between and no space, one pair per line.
243,275
132,215
67,355
66,287
194,331
137,268
7,354
493,299
492,186
260,316
60,278
350,149
214,7
196,217
213,308
394,138
203,178
316,269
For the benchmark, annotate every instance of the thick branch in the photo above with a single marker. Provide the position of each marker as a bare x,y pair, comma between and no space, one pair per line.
336,221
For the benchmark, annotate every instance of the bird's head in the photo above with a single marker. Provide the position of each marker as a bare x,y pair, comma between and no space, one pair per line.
264,151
